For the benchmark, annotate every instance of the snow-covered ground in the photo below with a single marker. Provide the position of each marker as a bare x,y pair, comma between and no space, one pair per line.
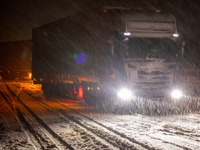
28,120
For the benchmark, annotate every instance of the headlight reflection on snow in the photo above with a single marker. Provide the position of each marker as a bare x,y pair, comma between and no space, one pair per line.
125,94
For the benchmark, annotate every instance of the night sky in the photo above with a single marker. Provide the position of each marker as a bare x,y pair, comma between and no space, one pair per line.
18,17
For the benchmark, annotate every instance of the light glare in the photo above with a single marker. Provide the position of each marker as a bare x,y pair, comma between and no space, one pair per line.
124,94
176,94
175,35
127,33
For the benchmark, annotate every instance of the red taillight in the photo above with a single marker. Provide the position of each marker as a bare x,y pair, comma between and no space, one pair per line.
80,92
75,92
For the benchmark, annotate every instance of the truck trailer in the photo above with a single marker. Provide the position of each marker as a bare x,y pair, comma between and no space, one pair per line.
108,53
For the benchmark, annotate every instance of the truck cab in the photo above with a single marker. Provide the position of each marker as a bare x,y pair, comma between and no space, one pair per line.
146,52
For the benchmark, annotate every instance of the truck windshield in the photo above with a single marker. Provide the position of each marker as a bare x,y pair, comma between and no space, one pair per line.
149,47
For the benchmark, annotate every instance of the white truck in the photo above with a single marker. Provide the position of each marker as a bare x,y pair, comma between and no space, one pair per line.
108,52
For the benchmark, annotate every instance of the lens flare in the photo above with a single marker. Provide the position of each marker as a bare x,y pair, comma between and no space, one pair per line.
80,58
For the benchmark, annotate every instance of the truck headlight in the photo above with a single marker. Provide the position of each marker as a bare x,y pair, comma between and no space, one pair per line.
124,94
176,94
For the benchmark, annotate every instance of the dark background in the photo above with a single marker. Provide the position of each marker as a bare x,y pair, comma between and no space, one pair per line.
18,17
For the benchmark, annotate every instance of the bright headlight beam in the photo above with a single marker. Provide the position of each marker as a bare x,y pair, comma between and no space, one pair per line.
176,94
124,94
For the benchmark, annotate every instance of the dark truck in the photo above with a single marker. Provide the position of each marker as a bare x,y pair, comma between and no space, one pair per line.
108,53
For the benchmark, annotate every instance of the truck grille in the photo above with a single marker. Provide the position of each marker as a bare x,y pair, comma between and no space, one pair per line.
153,83
150,78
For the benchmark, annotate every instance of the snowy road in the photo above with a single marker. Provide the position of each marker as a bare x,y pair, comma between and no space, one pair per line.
28,120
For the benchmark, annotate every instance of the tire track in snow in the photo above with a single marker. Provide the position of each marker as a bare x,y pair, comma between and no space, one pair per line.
69,119
157,138
10,107
116,142
42,123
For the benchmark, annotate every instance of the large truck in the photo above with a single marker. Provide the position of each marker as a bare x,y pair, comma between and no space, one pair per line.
108,53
